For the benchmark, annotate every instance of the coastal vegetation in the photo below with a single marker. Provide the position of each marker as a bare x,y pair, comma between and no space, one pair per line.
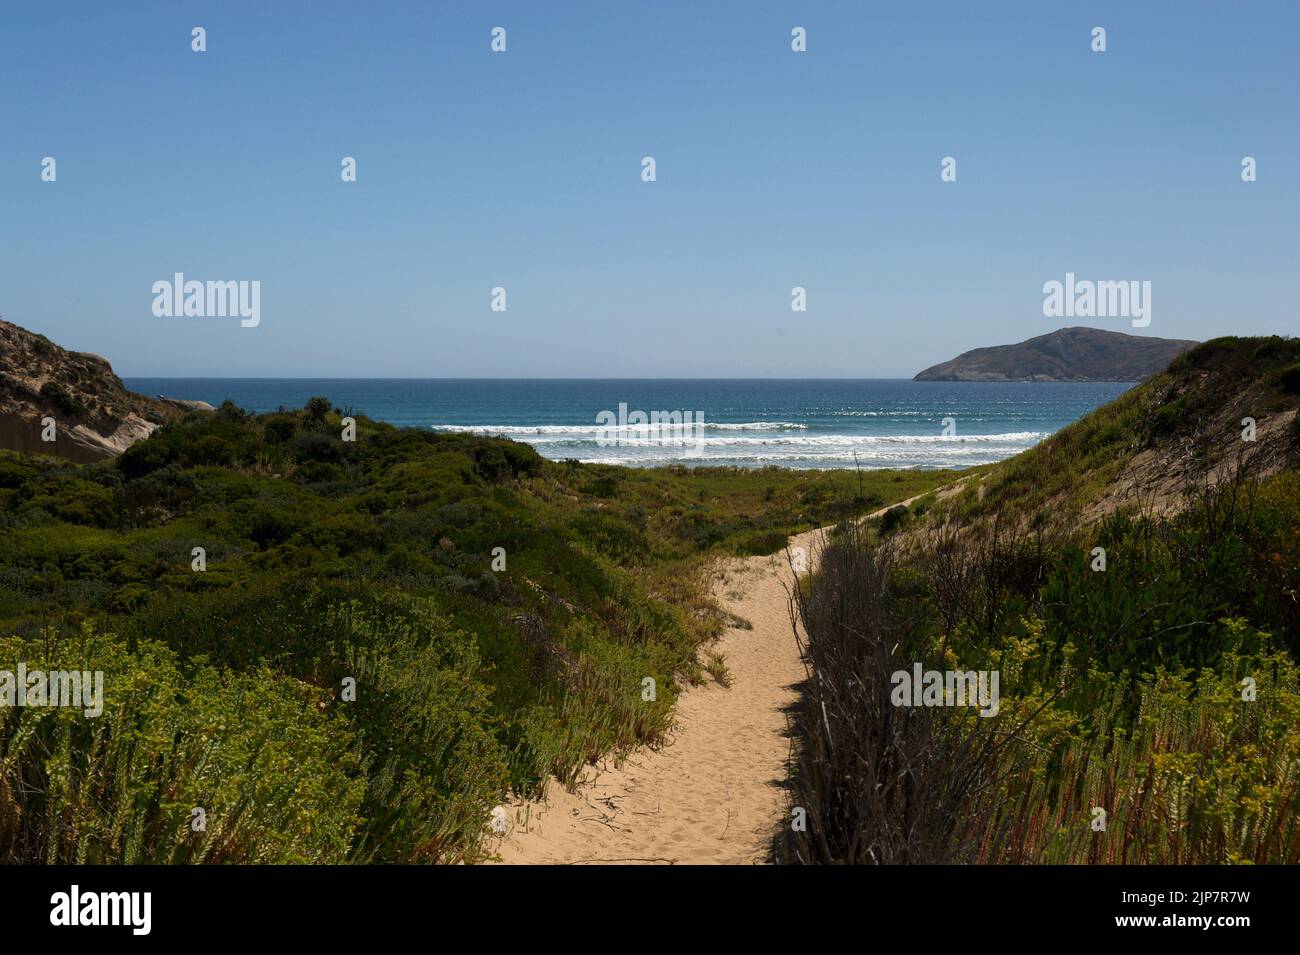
350,651
324,642
1135,582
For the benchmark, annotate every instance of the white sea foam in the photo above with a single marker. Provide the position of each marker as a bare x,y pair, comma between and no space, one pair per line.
595,429
837,441
758,443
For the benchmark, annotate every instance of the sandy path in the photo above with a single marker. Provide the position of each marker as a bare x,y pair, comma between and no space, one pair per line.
715,792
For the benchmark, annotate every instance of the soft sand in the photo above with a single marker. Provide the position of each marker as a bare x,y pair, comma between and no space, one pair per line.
714,793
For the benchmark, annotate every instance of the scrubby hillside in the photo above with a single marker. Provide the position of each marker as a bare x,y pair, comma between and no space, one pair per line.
376,640
1134,584
94,415
1180,430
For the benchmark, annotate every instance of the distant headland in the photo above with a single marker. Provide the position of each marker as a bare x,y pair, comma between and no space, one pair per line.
1068,354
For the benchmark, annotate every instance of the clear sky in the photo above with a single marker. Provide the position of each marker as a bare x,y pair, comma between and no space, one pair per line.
522,169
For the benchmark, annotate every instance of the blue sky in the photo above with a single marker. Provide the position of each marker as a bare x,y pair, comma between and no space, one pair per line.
522,170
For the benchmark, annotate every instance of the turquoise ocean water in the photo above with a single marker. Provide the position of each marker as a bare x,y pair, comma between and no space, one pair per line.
820,423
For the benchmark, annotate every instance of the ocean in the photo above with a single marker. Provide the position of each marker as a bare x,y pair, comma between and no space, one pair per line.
822,423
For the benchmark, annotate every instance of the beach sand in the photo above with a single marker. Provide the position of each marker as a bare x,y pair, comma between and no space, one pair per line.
714,793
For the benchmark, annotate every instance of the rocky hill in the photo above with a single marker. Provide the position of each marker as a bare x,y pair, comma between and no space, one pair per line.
94,415
1068,354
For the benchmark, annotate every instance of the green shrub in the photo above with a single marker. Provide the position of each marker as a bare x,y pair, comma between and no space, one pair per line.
1120,689
893,519
1289,379
1204,778
277,780
63,400
611,535
373,561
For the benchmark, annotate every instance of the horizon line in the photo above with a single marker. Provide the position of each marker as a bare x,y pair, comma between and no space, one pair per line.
1013,381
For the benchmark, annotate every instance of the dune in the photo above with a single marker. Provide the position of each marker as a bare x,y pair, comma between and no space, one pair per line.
715,792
